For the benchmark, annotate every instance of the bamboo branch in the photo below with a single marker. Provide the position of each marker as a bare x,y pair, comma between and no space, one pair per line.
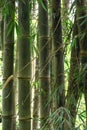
7,81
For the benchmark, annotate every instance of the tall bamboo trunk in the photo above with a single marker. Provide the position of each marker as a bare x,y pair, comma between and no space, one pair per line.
2,34
15,78
65,13
24,65
1,29
58,53
82,26
58,84
36,104
36,99
73,92
44,62
8,104
35,73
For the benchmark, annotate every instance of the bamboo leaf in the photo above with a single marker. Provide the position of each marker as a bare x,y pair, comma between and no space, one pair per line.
36,50
42,4
16,27
10,27
81,17
73,43
73,5
83,35
5,11
84,21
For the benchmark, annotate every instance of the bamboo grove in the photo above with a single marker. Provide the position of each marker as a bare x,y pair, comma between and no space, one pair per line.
44,55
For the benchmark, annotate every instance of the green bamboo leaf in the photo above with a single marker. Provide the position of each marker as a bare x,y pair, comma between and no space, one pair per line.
81,17
10,27
83,35
83,114
67,63
73,43
5,11
42,4
84,21
16,27
81,119
36,50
